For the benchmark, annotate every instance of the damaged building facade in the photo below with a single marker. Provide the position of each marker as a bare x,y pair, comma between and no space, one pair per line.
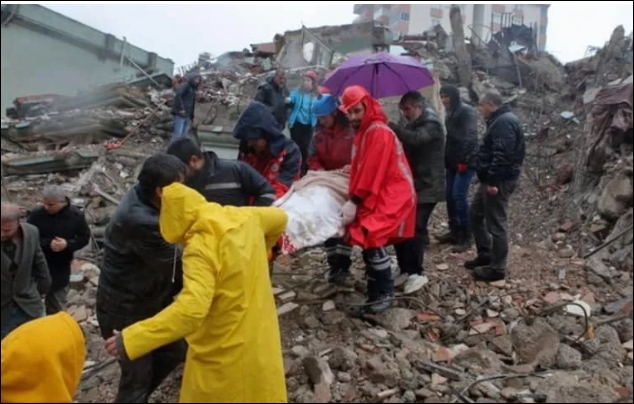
330,45
59,55
481,20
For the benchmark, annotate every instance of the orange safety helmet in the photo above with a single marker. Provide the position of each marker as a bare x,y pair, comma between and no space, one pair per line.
311,75
352,96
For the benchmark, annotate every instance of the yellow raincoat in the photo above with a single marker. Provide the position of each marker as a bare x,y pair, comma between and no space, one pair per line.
42,361
226,310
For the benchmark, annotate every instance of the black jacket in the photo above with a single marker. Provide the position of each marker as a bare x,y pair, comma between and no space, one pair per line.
502,153
273,96
69,224
185,97
234,183
461,123
423,141
138,266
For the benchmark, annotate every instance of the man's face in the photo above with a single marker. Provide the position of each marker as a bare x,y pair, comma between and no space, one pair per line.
327,121
356,115
411,111
446,101
195,166
8,229
486,109
257,145
52,205
197,81
280,79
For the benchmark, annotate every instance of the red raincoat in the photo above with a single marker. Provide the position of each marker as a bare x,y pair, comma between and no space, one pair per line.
332,148
270,167
381,178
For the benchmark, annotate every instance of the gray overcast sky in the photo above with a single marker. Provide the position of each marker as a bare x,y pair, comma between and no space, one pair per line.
182,30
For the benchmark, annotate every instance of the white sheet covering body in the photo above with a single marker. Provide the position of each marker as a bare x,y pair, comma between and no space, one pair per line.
313,205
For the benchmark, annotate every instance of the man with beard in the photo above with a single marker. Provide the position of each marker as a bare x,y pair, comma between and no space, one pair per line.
226,182
381,209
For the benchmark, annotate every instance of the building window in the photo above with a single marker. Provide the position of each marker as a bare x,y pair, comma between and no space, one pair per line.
496,18
437,6
404,16
518,20
542,29
435,21
519,7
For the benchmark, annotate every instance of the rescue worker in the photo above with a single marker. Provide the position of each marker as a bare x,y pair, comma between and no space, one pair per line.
226,182
301,121
140,274
63,231
185,104
498,166
331,149
423,139
461,123
265,148
43,360
226,310
273,94
382,205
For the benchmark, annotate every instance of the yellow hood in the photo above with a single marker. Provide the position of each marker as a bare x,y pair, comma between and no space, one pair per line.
184,212
42,361
179,210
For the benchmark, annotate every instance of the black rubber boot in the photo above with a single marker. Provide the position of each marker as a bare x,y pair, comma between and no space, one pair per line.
338,275
463,243
488,274
479,261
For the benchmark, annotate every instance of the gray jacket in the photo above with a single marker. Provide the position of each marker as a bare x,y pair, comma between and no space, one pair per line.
31,279
424,143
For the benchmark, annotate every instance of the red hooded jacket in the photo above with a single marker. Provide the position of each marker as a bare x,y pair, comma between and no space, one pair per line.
380,177
331,148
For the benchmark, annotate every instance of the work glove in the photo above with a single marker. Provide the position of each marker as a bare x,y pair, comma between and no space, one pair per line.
348,212
462,168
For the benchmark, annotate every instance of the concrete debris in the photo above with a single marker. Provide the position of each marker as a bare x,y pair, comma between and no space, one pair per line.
434,346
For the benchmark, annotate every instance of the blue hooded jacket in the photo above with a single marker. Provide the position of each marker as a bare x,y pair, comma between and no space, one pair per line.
257,122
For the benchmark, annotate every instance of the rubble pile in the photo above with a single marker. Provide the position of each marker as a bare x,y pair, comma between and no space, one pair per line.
559,330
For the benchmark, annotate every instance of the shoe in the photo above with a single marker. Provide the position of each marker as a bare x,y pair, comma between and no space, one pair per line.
338,276
477,262
415,283
426,241
488,274
382,303
463,244
448,238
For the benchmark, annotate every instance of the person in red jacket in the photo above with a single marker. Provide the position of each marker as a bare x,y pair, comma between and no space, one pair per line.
381,209
264,147
331,149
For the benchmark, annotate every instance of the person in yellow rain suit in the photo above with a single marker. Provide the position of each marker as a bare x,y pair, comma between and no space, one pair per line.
42,361
226,309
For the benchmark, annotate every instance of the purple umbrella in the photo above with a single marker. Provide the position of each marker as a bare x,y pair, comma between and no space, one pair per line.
382,74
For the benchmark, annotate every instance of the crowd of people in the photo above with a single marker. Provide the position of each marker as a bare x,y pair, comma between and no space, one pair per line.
185,268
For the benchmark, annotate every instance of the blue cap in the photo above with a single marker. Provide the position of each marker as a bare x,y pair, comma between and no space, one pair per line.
324,105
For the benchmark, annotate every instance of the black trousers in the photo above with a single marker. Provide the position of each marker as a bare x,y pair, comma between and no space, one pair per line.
338,254
489,223
140,377
378,267
302,135
410,254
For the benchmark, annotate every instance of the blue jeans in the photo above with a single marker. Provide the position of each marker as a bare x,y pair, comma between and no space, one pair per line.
16,319
457,192
181,127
